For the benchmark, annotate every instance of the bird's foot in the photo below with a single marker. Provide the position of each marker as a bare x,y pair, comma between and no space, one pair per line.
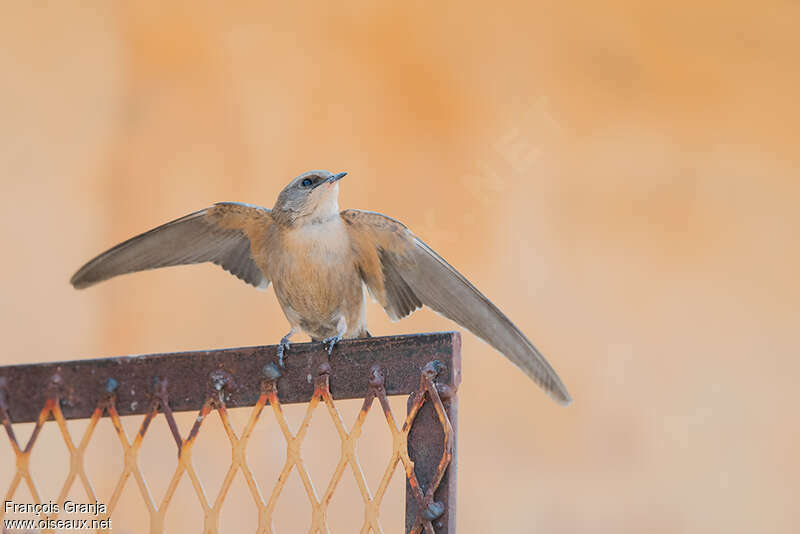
331,342
283,346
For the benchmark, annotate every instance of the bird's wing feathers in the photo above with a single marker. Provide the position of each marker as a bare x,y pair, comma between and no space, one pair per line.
221,234
403,273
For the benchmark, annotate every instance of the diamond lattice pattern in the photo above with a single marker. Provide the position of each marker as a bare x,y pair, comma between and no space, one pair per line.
264,499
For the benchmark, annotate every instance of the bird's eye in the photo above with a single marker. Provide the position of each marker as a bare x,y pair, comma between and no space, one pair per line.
307,182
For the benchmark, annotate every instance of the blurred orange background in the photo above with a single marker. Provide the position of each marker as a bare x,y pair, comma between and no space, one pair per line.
620,178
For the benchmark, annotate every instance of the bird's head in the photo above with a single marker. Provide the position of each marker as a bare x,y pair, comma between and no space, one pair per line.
311,197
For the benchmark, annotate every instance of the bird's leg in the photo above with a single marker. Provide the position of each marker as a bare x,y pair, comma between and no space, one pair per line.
284,345
341,328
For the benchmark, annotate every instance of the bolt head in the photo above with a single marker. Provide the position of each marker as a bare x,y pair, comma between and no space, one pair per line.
271,371
433,511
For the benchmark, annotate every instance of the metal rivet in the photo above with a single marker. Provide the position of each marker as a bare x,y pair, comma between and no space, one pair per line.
271,371
433,511
111,385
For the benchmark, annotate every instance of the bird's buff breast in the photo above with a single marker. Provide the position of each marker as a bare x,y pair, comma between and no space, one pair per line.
315,277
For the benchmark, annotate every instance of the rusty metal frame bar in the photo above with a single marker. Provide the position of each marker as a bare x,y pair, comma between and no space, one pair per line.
427,367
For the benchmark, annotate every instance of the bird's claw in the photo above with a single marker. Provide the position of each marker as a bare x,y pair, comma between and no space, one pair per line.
283,346
331,342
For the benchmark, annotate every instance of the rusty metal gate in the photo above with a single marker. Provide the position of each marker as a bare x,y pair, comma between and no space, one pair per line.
425,367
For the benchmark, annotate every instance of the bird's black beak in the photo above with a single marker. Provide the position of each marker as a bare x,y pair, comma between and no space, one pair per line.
332,179
336,177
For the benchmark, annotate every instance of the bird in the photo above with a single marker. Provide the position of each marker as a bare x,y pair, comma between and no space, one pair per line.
323,262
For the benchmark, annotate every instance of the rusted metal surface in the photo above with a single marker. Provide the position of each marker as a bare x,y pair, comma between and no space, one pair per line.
425,367
431,443
76,382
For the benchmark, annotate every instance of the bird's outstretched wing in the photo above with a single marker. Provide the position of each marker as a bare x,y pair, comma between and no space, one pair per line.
402,273
221,234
